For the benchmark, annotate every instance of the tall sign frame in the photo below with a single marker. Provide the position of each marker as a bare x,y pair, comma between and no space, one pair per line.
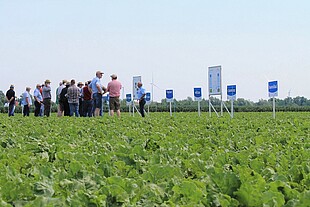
215,86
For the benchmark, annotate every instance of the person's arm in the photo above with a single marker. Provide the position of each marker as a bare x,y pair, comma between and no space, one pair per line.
99,88
27,101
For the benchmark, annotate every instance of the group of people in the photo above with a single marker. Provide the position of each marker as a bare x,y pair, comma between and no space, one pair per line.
74,99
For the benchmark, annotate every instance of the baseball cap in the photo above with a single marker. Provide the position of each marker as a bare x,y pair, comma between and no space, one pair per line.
113,76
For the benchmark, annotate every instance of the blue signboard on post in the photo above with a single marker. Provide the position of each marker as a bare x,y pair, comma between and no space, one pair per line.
197,94
128,99
273,88
106,98
169,95
231,92
148,97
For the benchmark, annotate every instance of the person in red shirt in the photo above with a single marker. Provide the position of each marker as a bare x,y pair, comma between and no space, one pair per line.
87,101
114,88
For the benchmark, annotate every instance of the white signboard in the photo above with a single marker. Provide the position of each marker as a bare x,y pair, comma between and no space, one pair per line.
231,92
215,80
197,94
273,89
148,98
128,99
169,95
135,81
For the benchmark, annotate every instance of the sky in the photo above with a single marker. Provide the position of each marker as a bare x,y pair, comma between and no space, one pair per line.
170,43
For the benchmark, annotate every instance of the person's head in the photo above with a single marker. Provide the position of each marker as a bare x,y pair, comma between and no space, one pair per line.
64,82
47,82
12,87
28,89
72,82
139,84
60,83
80,84
38,86
67,84
99,74
113,76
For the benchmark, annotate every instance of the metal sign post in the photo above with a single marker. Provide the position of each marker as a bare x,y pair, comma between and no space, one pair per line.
231,95
169,98
273,92
198,97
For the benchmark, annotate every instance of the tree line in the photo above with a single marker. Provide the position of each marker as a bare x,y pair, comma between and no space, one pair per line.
298,103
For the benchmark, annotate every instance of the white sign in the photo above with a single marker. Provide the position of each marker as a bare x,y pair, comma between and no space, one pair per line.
215,80
169,95
231,92
135,81
273,89
128,99
148,97
197,94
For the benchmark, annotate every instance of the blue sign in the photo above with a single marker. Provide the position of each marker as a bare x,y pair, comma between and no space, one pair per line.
106,98
231,92
169,95
273,88
148,97
128,97
197,94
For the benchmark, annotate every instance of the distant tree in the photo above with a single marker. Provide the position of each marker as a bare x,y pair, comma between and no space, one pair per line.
2,98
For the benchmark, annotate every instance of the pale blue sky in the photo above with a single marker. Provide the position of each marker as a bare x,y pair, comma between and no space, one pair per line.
175,40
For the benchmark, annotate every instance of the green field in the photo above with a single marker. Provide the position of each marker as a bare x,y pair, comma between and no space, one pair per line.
183,160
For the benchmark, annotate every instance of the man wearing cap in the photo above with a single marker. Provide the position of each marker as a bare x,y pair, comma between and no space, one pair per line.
46,94
38,100
10,97
114,88
26,101
97,91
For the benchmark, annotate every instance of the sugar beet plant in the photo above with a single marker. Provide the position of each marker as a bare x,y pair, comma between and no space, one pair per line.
184,160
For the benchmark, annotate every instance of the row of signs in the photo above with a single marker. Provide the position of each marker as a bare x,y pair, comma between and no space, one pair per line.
215,88
231,93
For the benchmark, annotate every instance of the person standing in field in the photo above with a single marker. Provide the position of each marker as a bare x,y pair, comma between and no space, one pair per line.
26,101
97,91
58,91
63,100
80,86
73,98
114,88
47,98
38,100
141,99
87,101
10,97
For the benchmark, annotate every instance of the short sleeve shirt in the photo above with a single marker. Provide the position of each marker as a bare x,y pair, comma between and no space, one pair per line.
25,96
141,92
114,88
94,83
37,94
